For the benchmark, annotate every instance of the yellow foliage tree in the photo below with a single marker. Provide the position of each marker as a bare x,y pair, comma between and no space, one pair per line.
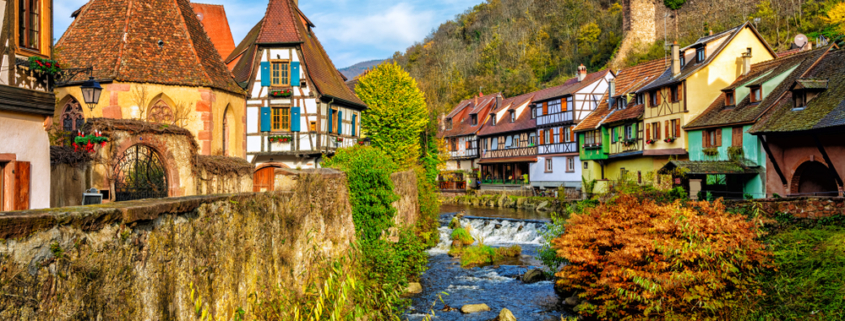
836,16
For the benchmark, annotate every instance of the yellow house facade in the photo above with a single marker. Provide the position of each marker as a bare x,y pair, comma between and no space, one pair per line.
695,78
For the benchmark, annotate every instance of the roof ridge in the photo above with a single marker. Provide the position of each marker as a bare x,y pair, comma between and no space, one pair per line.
117,63
192,41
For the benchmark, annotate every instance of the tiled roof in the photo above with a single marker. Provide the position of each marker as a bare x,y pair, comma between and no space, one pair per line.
628,80
806,83
745,111
122,44
461,123
824,111
216,25
713,167
285,24
523,120
692,67
569,87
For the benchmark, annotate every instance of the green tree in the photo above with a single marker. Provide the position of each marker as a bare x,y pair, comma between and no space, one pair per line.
674,5
397,113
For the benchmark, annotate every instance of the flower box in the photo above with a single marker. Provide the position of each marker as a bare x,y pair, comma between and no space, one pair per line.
280,139
88,142
281,93
669,140
650,142
46,66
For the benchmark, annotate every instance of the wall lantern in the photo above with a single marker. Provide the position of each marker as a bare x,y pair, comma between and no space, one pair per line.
91,91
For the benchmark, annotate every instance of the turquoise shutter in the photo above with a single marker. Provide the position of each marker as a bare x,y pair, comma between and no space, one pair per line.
294,119
265,119
339,122
329,120
294,74
265,74
354,121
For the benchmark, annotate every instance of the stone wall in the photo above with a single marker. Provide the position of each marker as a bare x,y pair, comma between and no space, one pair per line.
408,207
801,207
138,260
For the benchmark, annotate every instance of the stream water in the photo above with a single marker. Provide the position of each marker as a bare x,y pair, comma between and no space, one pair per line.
497,286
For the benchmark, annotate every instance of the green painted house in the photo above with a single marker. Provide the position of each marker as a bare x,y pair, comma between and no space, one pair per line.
725,160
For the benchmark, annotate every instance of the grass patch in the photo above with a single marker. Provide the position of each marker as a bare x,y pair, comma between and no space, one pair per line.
462,235
478,255
510,251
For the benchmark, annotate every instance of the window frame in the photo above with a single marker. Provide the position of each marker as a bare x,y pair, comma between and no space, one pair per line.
674,92
629,131
276,81
513,116
492,119
570,164
700,54
549,165
474,119
795,96
652,98
755,92
448,123
278,124
24,25
730,98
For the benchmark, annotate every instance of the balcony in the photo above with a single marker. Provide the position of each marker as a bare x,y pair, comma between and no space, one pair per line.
504,182
303,143
464,154
551,119
560,148
511,152
453,185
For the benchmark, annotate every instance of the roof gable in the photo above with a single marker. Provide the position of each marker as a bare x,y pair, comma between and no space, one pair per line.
216,25
280,24
569,87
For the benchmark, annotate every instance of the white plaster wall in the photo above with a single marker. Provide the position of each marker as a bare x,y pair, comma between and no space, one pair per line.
538,171
24,136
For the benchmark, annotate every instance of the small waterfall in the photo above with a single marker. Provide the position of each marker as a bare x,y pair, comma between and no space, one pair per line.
494,232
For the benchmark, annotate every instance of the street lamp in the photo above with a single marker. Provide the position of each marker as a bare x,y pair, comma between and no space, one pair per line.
91,91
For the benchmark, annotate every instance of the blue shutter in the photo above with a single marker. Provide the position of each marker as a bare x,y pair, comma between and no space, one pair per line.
339,122
265,119
329,120
354,121
265,74
294,74
294,119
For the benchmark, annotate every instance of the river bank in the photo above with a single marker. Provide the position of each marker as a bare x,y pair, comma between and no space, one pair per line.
525,203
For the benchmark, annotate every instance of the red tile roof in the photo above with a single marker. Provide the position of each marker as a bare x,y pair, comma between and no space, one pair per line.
216,25
120,39
523,120
279,24
461,123
628,80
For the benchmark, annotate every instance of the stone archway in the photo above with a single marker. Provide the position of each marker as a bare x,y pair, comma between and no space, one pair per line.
813,179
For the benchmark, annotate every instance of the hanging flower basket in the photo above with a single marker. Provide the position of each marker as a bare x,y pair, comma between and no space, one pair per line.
280,139
650,141
46,66
339,140
281,93
669,140
629,142
87,143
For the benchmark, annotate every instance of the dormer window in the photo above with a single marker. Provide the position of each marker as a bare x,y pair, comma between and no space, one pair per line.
449,123
533,112
756,94
730,100
513,116
700,54
474,119
492,119
640,99
621,102
805,90
800,98
683,61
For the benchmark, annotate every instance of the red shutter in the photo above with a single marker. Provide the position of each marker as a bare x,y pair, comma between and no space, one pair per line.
572,135
551,136
718,137
678,127
659,98
545,108
647,131
657,131
562,137
22,178
705,138
667,129
542,137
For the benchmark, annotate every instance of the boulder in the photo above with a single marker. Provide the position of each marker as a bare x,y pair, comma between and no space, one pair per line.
455,223
413,288
572,301
505,315
497,226
457,244
543,207
533,276
473,308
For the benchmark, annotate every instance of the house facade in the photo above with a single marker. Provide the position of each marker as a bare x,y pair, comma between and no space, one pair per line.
508,145
460,128
611,138
299,108
803,133
556,113
694,79
26,104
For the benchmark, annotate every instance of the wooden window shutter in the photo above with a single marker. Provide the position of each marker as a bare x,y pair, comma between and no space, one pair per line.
551,136
295,119
562,137
265,74
718,137
667,129
657,130
737,136
542,137
659,94
545,108
22,179
681,92
647,131
294,74
678,127
265,119
572,135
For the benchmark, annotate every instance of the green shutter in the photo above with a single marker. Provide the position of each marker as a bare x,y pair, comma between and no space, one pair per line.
294,74
339,122
265,119
354,119
265,74
294,119
329,120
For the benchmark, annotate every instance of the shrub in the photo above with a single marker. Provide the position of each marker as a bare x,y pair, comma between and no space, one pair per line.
510,251
547,254
462,235
637,259
478,255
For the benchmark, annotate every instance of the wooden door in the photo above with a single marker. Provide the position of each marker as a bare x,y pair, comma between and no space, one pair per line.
264,180
22,178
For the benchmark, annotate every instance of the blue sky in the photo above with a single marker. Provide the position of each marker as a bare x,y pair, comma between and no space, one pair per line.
351,31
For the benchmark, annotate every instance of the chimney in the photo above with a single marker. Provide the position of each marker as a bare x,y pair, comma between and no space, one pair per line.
613,87
711,32
498,102
442,122
746,62
582,73
676,59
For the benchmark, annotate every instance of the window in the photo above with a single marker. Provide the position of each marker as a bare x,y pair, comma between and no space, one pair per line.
313,126
515,141
280,73
570,164
653,98
729,99
29,24
454,144
554,106
655,131
474,119
736,137
548,165
622,102
673,129
569,103
629,132
712,138
800,98
683,60
533,112
449,123
586,165
568,134
674,92
332,121
513,116
72,117
531,138
756,94
493,119
640,99
281,119
700,54
546,138
592,138
614,135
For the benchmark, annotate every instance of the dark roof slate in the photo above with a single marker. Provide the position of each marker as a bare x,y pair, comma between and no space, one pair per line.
569,87
713,167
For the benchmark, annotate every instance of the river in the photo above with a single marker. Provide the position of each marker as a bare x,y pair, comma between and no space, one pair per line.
497,286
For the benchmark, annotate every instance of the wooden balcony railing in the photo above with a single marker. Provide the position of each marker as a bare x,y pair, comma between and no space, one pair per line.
511,152
467,153
453,185
561,117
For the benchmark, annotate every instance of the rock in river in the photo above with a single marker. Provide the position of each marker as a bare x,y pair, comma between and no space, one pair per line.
505,315
533,276
413,288
473,308
572,301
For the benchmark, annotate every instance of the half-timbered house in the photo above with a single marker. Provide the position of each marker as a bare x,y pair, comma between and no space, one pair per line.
460,127
299,107
557,111
508,144
26,104
694,79
611,138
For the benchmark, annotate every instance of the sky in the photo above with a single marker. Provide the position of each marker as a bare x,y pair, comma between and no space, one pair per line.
351,31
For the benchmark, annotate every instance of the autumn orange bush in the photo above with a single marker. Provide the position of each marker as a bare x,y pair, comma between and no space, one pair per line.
634,259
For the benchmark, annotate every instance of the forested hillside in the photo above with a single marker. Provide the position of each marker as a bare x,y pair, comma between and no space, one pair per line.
518,46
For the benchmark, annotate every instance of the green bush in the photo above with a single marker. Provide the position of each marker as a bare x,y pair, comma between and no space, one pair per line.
478,255
547,254
460,234
510,251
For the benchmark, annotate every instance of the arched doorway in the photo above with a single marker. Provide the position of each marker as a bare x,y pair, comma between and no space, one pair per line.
140,173
72,117
814,179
